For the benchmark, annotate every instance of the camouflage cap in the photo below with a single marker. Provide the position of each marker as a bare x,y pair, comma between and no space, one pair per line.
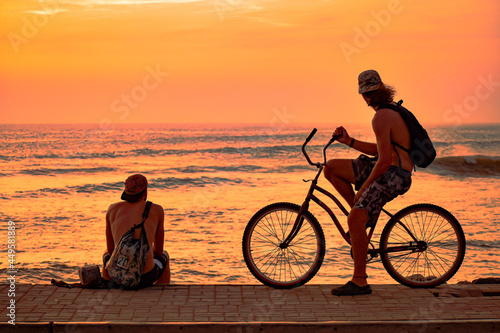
134,186
368,81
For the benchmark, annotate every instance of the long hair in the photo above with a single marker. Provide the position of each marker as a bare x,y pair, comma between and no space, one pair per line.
383,95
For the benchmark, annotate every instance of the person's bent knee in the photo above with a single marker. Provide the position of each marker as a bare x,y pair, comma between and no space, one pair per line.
329,169
163,258
164,278
105,257
357,217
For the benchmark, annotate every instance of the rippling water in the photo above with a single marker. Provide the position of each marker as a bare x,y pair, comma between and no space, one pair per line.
58,180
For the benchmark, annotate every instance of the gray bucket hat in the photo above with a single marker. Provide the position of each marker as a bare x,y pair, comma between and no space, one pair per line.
368,81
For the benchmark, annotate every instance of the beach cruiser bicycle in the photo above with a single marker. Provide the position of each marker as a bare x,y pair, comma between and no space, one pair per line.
421,246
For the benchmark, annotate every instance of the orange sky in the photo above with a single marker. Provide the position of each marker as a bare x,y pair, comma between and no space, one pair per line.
171,61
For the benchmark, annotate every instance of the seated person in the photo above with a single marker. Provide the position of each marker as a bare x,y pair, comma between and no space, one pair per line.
122,216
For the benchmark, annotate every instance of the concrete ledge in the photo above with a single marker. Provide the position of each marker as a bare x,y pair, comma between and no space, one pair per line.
452,326
252,308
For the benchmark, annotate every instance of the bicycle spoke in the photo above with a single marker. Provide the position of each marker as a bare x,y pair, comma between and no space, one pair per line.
400,236
269,255
439,259
292,265
270,226
264,238
300,264
265,228
403,259
430,265
288,223
291,270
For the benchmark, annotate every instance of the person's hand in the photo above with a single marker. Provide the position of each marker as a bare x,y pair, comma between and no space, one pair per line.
344,136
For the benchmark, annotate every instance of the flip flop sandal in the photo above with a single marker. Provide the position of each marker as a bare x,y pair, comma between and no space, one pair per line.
351,289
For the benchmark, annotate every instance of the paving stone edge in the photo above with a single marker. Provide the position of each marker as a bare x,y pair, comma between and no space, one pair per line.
443,326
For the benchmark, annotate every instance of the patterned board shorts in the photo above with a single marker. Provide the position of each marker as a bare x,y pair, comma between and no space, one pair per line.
394,182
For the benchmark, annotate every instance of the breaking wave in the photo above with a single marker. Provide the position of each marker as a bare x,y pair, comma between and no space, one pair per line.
477,165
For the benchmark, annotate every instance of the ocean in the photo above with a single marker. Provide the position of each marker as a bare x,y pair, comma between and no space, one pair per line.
57,182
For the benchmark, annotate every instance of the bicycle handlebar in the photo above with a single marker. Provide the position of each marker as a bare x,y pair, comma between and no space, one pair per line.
305,154
335,137
311,135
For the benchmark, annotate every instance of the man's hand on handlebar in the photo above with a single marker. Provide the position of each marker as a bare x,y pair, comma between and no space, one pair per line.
344,136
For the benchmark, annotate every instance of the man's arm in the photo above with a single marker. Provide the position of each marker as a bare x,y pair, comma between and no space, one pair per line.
382,129
160,233
362,146
367,148
110,244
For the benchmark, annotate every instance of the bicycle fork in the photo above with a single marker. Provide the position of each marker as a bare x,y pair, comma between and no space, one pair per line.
297,225
303,209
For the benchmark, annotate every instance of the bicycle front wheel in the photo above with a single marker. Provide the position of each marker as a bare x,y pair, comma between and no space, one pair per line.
292,266
440,242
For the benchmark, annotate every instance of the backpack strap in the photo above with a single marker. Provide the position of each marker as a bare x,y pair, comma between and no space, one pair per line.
146,211
399,146
396,108
144,215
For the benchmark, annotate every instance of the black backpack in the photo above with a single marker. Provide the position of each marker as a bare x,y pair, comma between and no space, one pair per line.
421,151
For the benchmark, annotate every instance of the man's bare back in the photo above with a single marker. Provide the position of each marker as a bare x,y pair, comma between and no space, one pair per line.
122,216
399,133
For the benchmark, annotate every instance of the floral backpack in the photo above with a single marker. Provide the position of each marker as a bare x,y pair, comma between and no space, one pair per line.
127,261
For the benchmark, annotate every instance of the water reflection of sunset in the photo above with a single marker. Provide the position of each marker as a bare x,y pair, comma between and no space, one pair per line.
57,184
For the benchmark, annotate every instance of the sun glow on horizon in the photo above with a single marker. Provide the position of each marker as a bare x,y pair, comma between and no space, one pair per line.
235,61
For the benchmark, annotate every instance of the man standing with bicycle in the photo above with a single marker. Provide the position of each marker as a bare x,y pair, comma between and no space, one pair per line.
378,180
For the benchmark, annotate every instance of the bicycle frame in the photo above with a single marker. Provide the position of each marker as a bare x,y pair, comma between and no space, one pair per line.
310,196
305,206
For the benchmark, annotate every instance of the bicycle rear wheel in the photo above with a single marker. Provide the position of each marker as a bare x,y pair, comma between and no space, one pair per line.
285,268
441,249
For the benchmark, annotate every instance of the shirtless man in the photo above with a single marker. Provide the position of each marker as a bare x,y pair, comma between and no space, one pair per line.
378,182
122,216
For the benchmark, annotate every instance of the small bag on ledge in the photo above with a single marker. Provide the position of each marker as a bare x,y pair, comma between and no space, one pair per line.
90,277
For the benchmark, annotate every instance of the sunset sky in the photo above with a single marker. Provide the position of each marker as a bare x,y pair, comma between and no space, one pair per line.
245,61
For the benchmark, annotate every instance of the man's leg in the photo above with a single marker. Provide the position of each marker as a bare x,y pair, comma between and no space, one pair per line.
165,276
357,220
359,242
341,174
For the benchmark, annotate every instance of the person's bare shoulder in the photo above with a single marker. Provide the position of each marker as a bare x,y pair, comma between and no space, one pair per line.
385,117
385,113
382,115
157,208
113,209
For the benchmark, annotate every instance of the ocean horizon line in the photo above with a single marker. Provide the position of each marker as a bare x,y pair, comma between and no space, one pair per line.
263,124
